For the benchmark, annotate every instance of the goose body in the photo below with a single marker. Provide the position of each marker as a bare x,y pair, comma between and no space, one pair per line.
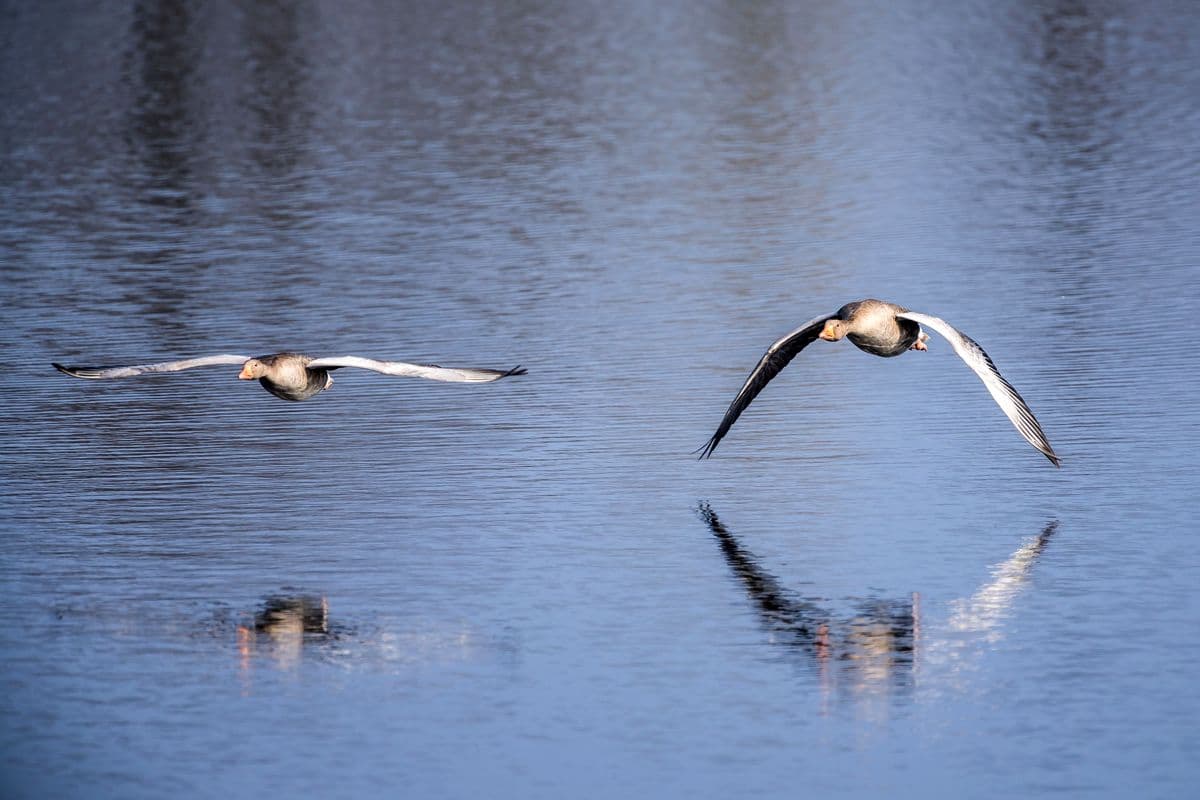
887,330
287,375
295,376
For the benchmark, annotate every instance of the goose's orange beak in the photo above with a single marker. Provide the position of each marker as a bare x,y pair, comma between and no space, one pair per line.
828,333
245,375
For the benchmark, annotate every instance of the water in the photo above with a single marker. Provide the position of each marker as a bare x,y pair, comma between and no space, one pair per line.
531,588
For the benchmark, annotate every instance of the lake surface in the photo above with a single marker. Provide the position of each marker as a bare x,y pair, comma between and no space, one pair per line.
532,588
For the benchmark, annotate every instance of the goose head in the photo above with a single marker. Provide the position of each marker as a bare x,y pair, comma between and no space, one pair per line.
252,369
834,330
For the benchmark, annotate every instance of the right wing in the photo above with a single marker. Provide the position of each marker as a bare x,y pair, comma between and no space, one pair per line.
772,362
96,373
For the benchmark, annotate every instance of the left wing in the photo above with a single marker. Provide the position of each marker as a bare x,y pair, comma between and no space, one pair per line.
1001,390
429,371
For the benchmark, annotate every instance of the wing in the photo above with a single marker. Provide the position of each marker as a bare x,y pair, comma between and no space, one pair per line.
96,373
429,371
1001,390
775,359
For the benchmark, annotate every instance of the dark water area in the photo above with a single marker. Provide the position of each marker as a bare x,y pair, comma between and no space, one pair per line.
532,588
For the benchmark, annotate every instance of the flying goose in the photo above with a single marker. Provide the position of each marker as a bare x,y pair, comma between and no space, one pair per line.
293,376
884,329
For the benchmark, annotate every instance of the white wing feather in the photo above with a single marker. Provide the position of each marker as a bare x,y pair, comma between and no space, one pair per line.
1002,391
404,370
97,373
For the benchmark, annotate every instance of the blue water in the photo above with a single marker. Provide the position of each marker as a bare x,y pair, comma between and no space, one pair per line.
531,588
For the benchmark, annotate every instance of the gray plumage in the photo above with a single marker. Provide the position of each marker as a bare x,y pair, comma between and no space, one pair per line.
294,376
887,330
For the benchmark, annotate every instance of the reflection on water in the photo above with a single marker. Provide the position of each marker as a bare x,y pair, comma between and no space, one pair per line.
984,610
976,622
291,627
282,627
876,648
281,631
867,650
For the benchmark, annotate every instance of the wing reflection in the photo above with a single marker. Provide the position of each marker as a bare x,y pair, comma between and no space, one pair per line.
291,628
985,608
868,649
872,649
976,621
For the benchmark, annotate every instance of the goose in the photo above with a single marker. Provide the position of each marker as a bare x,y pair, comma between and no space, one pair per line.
884,329
294,376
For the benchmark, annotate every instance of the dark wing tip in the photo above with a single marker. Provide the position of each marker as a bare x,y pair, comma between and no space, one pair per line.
1054,459
706,450
62,369
517,370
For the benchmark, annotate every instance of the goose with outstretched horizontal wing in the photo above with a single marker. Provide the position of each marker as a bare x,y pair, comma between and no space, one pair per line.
294,376
884,329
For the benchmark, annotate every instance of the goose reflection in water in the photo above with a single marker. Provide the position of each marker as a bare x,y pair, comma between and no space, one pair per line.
281,628
876,648
290,629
